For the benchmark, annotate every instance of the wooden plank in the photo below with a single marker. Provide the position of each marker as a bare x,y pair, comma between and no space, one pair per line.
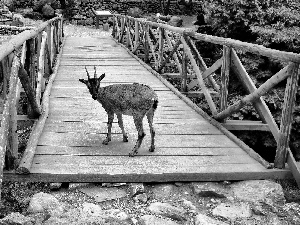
89,164
245,125
199,127
116,149
92,139
100,63
217,173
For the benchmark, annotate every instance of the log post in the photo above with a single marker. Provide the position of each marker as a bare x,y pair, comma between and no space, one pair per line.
8,124
184,72
225,77
49,43
30,69
127,32
160,47
286,118
25,81
146,44
5,72
41,69
136,35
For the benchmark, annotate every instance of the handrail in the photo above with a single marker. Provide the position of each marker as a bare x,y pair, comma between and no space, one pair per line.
247,47
19,39
25,59
150,40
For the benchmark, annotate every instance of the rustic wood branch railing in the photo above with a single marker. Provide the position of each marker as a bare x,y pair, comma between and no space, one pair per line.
26,60
162,45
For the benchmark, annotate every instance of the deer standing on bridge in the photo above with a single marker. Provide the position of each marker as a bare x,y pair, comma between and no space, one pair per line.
134,99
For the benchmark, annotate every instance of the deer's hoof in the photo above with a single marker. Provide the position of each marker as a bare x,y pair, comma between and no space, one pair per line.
152,148
105,142
125,139
132,154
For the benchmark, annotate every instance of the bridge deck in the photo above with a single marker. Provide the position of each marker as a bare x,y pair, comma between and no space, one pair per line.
188,148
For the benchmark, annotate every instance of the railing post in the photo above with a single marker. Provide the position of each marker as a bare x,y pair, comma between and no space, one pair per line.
160,47
49,43
31,71
146,44
286,118
225,77
184,72
136,35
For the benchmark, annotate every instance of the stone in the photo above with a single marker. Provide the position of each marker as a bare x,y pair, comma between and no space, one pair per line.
167,210
153,220
175,21
163,191
101,194
211,189
43,202
91,209
202,219
265,191
17,219
55,186
142,198
189,205
233,210
136,189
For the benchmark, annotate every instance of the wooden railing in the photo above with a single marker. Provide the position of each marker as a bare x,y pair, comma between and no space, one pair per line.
160,45
25,61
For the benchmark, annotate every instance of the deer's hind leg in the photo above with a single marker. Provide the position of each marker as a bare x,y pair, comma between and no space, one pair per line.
120,122
150,115
138,121
110,116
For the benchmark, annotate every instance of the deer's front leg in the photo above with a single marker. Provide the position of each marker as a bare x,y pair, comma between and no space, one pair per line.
109,125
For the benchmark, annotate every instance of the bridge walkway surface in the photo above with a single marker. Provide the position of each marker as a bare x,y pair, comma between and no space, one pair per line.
188,147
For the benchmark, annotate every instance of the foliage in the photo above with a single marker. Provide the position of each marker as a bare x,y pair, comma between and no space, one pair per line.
274,24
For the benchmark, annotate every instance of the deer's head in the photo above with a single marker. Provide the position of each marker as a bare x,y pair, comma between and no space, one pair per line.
93,84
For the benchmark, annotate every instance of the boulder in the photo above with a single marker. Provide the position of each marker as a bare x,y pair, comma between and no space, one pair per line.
18,219
202,219
164,191
153,220
233,210
254,191
167,210
44,203
101,194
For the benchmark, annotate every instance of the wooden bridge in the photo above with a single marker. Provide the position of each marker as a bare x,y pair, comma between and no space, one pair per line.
65,142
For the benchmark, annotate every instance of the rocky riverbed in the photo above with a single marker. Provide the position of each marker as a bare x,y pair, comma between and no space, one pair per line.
193,203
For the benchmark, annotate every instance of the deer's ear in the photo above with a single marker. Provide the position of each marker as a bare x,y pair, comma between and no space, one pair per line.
102,76
83,81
